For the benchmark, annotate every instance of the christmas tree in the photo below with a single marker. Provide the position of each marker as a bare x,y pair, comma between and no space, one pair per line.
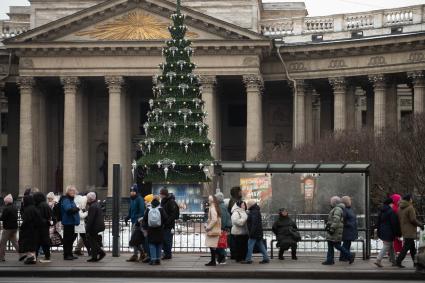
176,148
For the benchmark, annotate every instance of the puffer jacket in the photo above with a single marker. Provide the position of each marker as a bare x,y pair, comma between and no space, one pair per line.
350,232
282,228
254,223
69,212
408,220
239,218
335,224
388,224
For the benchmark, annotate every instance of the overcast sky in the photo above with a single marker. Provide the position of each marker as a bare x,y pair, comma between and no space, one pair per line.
315,7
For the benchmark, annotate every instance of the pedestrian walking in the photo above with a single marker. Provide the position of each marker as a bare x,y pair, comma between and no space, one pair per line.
171,208
408,225
44,229
9,217
388,227
29,230
135,215
154,222
80,230
226,226
255,233
70,218
95,224
213,228
239,231
287,234
334,229
350,232
398,243
235,196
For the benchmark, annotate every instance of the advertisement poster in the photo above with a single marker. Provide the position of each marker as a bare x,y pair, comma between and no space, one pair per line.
258,188
188,197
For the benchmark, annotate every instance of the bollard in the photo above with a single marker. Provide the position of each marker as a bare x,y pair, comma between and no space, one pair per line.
116,197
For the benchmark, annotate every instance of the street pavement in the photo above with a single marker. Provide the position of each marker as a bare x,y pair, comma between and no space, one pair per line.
192,266
170,280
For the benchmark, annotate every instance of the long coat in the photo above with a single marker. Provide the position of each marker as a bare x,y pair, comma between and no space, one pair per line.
95,219
29,230
213,227
282,228
335,223
350,232
239,218
155,234
81,203
388,225
408,220
255,223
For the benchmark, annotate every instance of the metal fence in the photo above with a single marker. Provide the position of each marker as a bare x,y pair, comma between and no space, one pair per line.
189,234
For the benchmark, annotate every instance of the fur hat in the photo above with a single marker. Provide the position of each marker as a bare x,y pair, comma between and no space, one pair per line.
149,198
8,199
250,203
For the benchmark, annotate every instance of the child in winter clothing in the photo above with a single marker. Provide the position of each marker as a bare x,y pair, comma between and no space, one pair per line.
153,221
9,218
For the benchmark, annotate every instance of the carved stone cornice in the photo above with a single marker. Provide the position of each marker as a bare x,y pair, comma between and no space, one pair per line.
208,82
253,82
417,77
303,87
70,84
338,84
114,83
378,81
26,83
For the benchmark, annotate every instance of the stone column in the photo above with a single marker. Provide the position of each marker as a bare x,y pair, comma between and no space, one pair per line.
316,116
308,100
360,97
350,102
418,91
391,105
254,129
340,114
115,130
26,157
299,113
71,131
378,82
209,96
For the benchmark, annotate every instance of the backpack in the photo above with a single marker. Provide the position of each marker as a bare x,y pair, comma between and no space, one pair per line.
57,211
154,218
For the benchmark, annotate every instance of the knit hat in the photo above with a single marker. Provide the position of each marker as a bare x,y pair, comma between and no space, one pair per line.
388,201
134,188
8,199
149,198
219,196
91,197
407,197
250,203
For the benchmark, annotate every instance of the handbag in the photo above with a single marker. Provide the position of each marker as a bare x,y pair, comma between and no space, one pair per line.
55,238
295,234
222,241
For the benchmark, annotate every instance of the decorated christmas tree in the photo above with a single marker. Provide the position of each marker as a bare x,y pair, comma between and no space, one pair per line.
176,148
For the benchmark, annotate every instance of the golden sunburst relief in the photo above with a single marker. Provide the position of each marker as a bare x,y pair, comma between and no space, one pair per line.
135,25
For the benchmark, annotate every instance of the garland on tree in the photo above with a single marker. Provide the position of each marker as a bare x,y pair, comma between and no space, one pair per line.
176,148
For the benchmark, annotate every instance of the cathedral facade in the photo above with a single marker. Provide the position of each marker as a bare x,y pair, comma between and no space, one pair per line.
76,78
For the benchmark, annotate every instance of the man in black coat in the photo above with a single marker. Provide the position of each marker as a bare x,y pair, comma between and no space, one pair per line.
95,224
9,217
255,232
168,203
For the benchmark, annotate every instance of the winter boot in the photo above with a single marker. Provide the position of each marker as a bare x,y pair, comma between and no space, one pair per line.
294,254
133,258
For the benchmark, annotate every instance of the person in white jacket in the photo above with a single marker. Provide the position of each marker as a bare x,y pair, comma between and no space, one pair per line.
81,202
239,230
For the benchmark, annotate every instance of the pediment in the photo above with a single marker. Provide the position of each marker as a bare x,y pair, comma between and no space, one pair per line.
132,20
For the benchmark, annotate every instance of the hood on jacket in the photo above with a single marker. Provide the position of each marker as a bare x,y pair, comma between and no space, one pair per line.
39,198
404,204
340,205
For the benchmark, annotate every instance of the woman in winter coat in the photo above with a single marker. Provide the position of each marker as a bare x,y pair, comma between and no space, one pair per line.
81,203
350,232
239,230
70,219
388,229
44,229
95,224
29,231
155,230
284,229
334,229
213,228
398,244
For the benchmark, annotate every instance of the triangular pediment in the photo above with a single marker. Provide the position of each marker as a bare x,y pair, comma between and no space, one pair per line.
132,20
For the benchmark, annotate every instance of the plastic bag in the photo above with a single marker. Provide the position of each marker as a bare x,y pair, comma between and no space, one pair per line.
222,241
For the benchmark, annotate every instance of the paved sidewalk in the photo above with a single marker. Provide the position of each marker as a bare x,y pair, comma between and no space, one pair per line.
192,266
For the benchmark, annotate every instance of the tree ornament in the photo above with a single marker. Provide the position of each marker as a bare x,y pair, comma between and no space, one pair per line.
181,63
157,112
183,88
146,127
169,125
151,103
149,142
170,76
185,112
197,103
186,142
170,101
